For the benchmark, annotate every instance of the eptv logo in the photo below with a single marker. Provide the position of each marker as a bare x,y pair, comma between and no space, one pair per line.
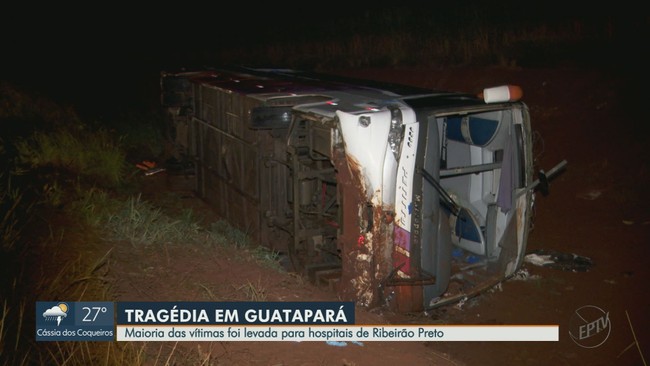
590,326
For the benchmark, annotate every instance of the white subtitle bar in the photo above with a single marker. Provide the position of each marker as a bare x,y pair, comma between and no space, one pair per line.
358,333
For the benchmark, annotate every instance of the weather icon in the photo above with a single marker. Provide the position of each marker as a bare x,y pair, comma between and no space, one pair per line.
56,312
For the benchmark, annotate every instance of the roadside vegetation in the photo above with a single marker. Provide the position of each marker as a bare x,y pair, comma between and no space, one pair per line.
67,188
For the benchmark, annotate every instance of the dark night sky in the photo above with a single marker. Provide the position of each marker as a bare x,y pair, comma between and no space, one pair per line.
109,52
104,49
79,38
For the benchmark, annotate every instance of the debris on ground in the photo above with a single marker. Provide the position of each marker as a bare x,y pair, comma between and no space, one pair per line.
459,305
336,343
558,260
523,275
538,260
146,165
591,194
154,171
342,344
149,167
498,287
632,222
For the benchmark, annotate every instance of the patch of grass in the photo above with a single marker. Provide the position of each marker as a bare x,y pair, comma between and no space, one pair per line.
53,272
209,293
93,156
267,257
223,233
93,206
248,291
135,220
253,291
142,223
14,213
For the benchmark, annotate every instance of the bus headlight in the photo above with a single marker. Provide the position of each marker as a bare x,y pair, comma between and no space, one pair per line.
396,133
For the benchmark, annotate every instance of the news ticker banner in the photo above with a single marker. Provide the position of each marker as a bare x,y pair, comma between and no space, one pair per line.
249,321
353,333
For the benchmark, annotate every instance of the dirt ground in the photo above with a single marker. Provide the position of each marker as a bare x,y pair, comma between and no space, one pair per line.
597,208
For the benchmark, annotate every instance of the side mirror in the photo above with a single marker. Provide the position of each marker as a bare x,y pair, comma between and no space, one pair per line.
543,178
543,183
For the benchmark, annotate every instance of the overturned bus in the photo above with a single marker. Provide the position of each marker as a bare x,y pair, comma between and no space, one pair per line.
386,192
